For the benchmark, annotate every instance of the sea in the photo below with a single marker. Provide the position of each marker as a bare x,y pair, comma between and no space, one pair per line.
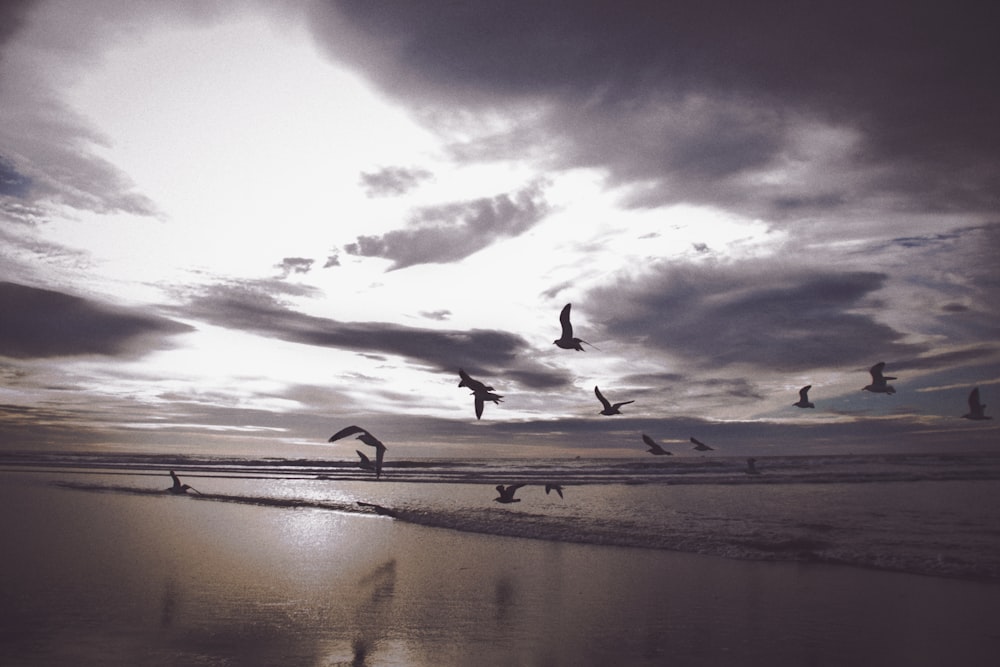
927,514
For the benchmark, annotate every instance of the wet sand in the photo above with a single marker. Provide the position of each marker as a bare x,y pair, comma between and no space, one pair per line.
116,579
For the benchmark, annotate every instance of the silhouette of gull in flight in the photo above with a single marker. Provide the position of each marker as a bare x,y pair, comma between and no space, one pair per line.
481,392
567,341
367,438
507,493
179,488
701,446
609,408
879,383
804,398
977,410
554,487
654,448
752,467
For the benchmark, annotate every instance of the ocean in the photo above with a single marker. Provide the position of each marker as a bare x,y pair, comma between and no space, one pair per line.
934,515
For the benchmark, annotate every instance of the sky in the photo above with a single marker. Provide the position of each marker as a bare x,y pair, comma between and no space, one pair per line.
234,227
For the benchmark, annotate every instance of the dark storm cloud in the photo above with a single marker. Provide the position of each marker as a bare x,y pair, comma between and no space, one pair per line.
45,323
708,88
249,309
752,314
451,232
392,181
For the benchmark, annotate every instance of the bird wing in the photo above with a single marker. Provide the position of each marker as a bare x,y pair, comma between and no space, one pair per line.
347,431
379,455
618,405
600,397
804,393
697,442
649,441
876,371
567,328
465,378
974,405
365,461
479,406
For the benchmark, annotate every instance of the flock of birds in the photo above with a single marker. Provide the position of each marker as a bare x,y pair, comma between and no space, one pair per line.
483,393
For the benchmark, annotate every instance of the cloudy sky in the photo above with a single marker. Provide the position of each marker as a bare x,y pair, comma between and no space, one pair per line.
235,227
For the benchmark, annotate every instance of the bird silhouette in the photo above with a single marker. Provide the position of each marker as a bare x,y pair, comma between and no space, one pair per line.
367,438
179,488
554,487
480,391
701,446
804,398
471,383
654,448
879,383
567,341
507,493
609,408
977,410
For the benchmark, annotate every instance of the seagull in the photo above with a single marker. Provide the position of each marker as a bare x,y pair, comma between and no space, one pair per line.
554,487
804,398
609,408
701,446
654,448
468,381
752,467
977,410
879,383
179,488
482,397
367,438
567,341
507,493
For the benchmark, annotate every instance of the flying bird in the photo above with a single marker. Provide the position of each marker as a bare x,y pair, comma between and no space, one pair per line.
480,391
654,448
471,383
804,398
367,438
554,487
609,408
752,467
879,383
701,446
507,493
977,410
567,341
179,488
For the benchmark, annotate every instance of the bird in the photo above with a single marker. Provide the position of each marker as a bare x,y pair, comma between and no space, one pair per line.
977,410
752,467
471,383
179,488
482,392
701,446
654,448
367,438
554,487
609,408
567,341
879,383
804,398
507,493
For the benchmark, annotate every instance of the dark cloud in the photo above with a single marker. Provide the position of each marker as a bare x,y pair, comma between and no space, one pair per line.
12,183
45,323
392,181
291,265
332,260
696,92
751,313
451,232
250,309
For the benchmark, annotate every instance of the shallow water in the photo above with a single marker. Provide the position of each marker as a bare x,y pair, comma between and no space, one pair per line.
928,514
155,579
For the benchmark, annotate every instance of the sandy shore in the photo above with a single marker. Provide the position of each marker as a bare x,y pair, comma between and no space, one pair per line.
116,579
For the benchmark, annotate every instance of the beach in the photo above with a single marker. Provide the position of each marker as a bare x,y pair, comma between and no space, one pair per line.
103,578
